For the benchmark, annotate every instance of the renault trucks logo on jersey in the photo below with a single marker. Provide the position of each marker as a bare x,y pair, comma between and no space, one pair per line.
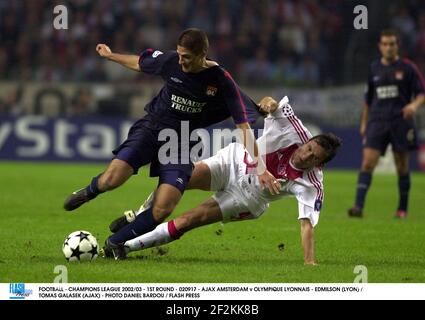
211,91
18,291
387,92
186,105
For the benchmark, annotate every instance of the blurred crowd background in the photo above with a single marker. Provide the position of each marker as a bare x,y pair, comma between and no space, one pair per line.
56,91
267,42
289,44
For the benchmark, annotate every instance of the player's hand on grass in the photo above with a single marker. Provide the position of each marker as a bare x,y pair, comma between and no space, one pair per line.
267,180
103,50
268,104
409,111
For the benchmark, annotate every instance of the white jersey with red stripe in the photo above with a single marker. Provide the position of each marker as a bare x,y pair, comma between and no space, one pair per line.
239,193
283,134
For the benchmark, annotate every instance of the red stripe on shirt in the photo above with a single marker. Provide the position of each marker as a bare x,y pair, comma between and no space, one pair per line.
319,193
421,78
317,184
298,128
298,124
320,184
227,74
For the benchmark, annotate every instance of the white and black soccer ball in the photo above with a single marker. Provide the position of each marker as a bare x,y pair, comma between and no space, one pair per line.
80,246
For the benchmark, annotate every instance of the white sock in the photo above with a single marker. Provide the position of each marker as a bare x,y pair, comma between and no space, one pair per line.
145,205
162,234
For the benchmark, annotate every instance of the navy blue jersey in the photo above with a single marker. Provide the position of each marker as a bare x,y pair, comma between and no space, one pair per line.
392,87
202,98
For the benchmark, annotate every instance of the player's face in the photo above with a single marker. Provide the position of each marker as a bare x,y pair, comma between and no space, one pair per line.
388,47
309,155
188,60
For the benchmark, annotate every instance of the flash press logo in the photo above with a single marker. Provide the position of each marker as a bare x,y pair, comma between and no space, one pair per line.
18,291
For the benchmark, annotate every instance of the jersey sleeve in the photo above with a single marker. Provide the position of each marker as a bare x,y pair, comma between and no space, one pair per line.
233,99
152,61
417,80
282,128
307,212
368,94
309,194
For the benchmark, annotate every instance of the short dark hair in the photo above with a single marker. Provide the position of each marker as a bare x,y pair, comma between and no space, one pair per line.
194,40
390,33
330,143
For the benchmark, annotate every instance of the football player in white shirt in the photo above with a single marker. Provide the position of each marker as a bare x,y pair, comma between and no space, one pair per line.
291,154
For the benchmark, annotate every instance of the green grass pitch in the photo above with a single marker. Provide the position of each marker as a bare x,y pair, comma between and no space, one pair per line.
34,225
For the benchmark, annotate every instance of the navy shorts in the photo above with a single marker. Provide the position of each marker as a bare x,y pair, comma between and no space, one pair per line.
400,133
141,148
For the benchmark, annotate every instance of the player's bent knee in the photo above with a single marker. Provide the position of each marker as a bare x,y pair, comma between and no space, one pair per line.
368,166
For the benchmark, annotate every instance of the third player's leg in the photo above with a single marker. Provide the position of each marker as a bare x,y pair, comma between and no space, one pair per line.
364,179
401,160
402,165
370,159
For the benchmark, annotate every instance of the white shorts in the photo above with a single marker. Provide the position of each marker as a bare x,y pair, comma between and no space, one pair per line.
236,192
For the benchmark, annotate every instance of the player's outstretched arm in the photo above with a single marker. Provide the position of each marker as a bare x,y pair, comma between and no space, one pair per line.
127,60
266,179
307,239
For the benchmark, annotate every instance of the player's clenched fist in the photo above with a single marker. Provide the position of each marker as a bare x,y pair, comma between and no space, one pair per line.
103,50
268,104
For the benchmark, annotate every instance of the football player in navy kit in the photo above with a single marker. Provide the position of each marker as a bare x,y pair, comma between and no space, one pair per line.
388,117
290,152
196,90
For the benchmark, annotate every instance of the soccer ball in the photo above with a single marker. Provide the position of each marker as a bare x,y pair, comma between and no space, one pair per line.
80,246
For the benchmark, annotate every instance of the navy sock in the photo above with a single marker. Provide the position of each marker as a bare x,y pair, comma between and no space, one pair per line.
92,189
363,184
403,189
144,223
